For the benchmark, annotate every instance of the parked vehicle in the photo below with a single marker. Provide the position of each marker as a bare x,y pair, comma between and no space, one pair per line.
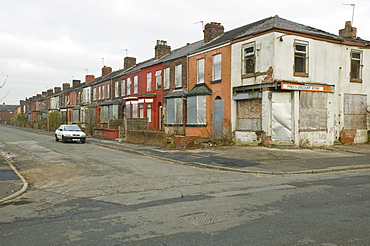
70,133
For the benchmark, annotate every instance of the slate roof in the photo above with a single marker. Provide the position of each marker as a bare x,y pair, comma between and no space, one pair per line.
271,23
8,107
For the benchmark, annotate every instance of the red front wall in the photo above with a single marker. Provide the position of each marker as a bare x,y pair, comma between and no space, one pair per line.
221,90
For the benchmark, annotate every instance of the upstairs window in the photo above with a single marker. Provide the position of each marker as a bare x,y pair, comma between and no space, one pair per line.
108,91
200,66
216,67
128,86
356,66
158,79
136,84
300,59
149,81
166,79
123,88
116,89
249,56
178,75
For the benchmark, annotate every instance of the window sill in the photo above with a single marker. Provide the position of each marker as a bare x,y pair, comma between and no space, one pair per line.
173,124
196,125
356,80
249,75
216,81
301,75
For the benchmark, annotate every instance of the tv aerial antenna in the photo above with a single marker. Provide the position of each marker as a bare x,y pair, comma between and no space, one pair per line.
353,9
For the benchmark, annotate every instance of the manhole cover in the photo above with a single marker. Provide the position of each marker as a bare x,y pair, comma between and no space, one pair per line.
202,218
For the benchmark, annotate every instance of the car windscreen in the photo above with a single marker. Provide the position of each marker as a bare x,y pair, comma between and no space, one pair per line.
72,128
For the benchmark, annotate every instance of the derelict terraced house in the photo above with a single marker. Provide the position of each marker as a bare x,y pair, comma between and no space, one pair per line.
296,84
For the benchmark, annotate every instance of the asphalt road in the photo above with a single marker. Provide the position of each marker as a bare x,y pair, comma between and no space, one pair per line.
82,194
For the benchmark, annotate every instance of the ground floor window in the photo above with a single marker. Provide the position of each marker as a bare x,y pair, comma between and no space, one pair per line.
149,112
249,114
104,114
174,111
196,110
75,115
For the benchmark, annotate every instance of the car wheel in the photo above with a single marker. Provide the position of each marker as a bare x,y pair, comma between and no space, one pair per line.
64,140
83,140
56,138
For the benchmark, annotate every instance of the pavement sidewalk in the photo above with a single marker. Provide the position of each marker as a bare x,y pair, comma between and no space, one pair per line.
259,160
12,183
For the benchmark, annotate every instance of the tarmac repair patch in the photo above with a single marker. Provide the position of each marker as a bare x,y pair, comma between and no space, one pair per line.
8,174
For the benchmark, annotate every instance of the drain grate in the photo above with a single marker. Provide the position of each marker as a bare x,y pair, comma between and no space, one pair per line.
201,218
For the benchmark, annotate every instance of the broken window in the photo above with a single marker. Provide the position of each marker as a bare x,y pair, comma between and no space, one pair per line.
249,59
300,58
356,57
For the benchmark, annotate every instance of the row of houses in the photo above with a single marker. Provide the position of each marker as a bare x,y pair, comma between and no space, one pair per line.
271,81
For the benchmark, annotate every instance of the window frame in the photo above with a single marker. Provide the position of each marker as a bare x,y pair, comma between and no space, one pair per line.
166,77
200,70
178,75
128,86
217,67
136,84
149,81
158,79
359,65
303,56
197,110
249,56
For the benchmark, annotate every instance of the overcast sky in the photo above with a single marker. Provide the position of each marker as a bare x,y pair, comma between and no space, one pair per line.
45,43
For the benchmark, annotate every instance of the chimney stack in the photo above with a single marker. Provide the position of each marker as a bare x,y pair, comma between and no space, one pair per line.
128,62
105,71
49,92
348,31
76,83
89,78
212,30
161,49
57,90
66,86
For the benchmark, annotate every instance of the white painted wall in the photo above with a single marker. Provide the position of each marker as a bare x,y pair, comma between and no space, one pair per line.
329,63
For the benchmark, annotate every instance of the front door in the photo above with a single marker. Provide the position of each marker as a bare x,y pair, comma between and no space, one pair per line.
218,118
281,117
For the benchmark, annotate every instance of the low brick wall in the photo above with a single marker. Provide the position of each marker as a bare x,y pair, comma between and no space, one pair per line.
155,138
184,142
348,136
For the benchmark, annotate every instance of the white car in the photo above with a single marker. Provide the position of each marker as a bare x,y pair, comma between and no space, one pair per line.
69,133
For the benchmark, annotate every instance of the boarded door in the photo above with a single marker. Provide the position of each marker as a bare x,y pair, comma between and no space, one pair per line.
218,118
281,117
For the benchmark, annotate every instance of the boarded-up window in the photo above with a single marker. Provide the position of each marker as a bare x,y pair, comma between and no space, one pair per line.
249,115
313,111
355,111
